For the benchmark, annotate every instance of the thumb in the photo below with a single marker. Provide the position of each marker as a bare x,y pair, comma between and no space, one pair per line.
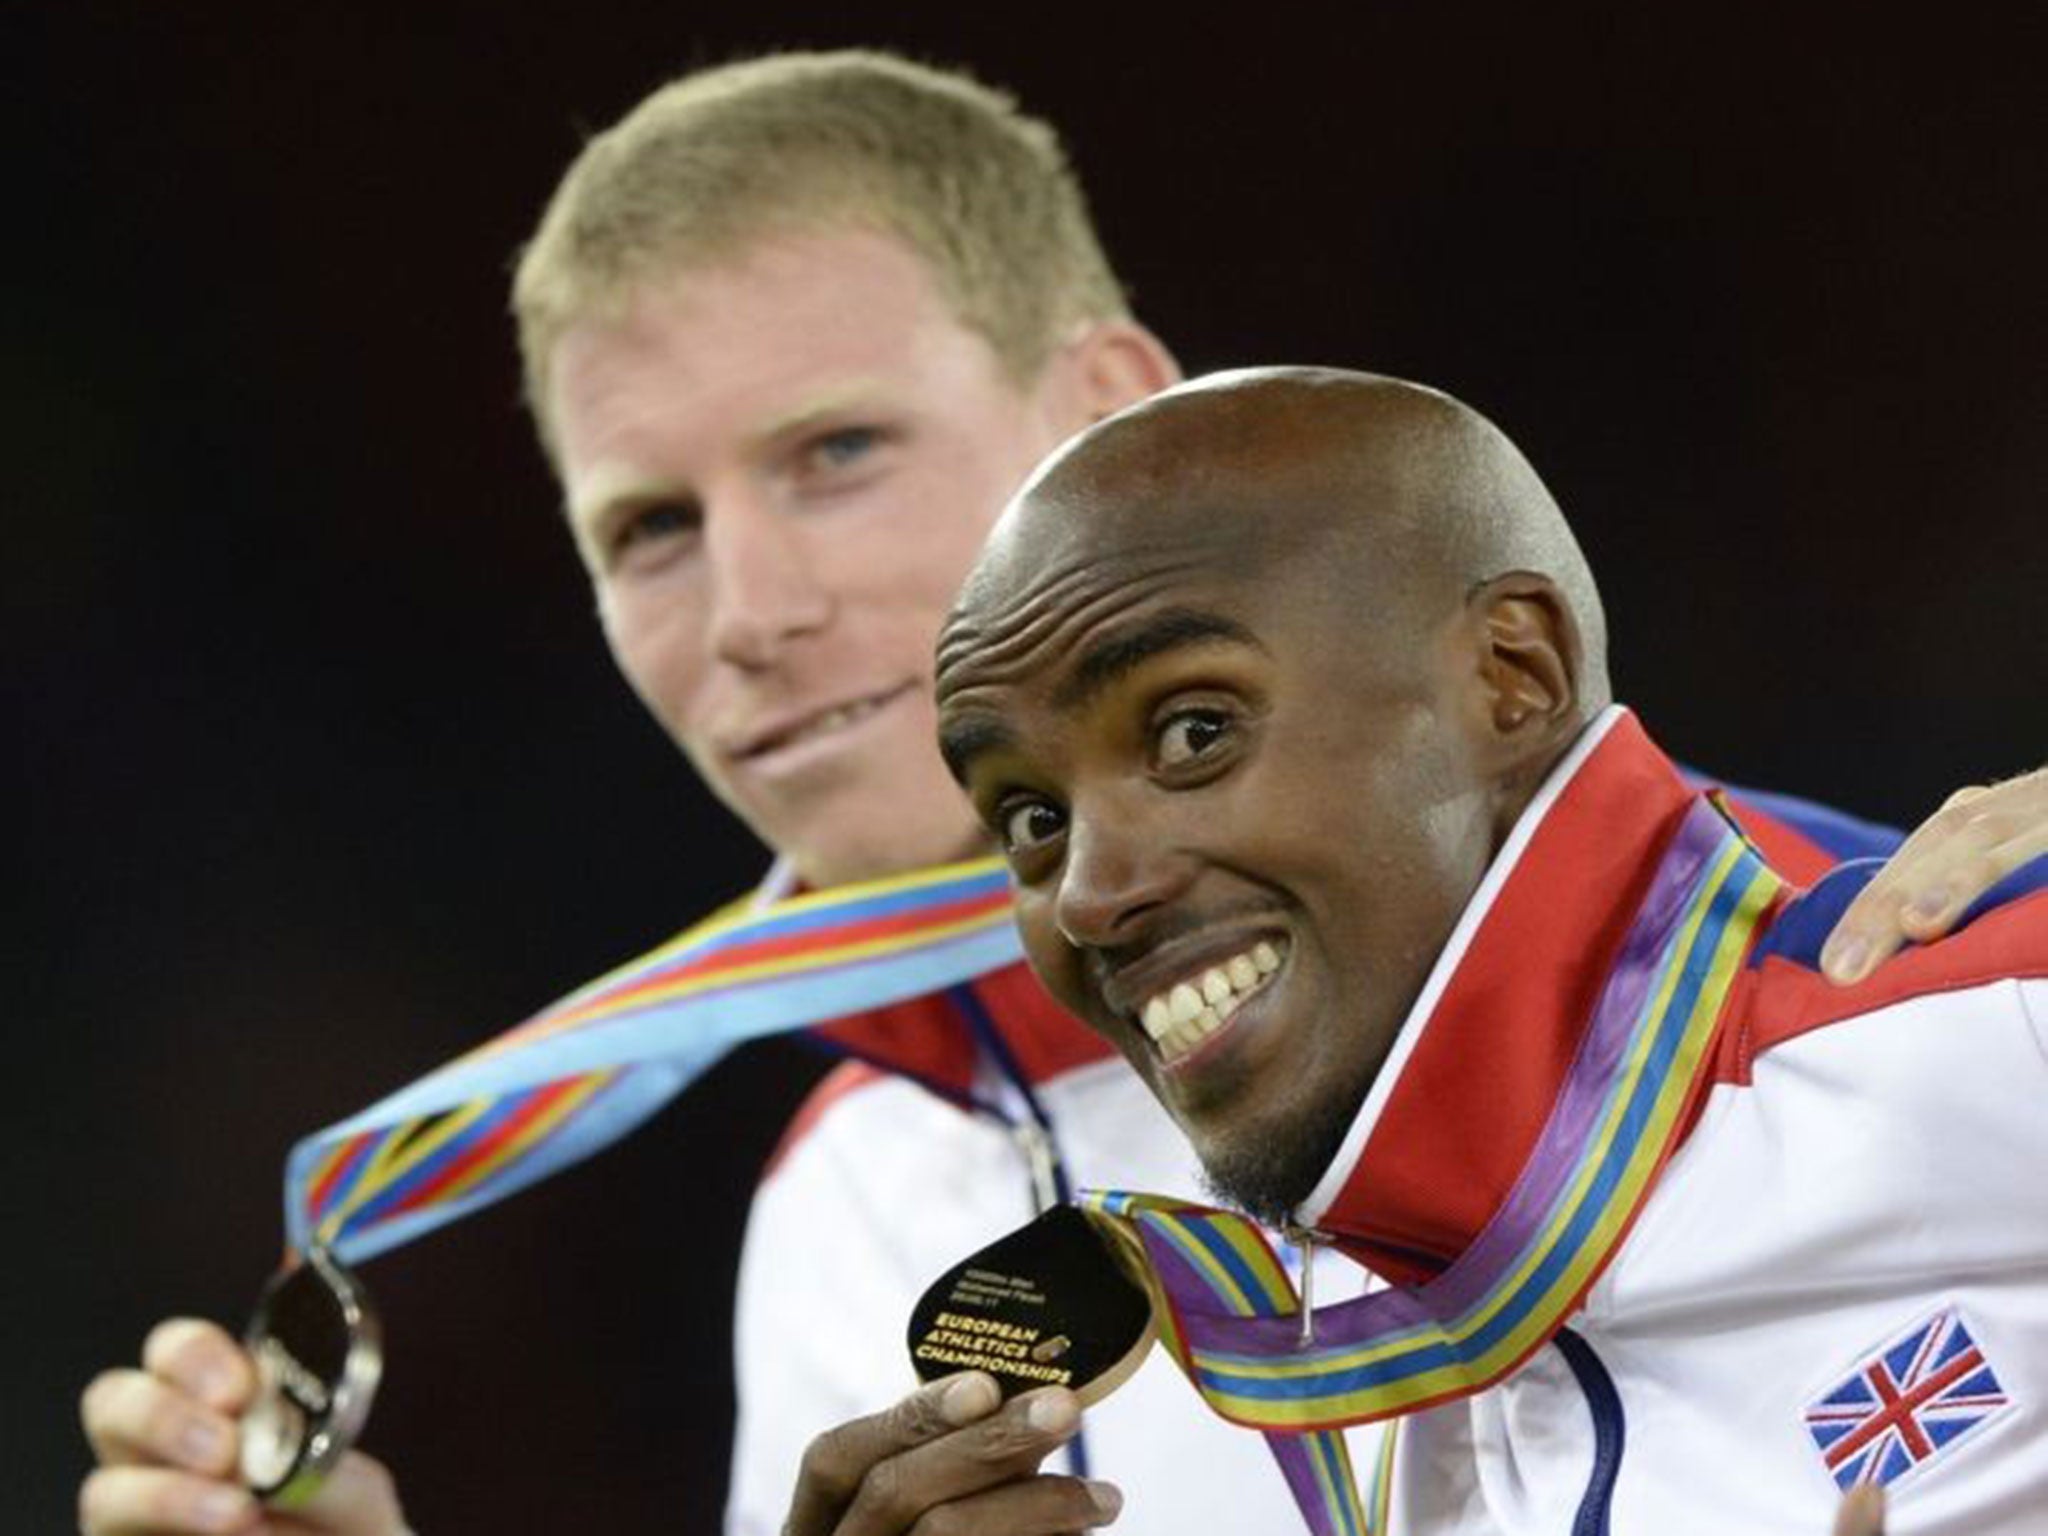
1862,1512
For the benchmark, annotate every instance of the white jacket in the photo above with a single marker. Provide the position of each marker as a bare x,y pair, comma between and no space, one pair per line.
1841,1274
883,1186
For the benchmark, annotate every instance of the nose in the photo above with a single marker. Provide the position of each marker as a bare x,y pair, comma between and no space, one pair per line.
766,586
1117,873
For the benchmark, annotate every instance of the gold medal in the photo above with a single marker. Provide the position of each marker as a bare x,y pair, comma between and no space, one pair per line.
1052,1304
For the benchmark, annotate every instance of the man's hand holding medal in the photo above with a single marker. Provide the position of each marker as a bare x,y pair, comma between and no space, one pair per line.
214,1436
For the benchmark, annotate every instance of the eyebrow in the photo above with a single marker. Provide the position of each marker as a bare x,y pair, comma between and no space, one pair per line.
625,488
612,489
852,397
962,741
1101,665
1116,656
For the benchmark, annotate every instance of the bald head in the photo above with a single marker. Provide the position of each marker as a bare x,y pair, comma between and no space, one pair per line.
1254,680
1406,496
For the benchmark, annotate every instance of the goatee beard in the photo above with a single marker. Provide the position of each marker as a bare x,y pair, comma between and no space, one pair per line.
1271,1171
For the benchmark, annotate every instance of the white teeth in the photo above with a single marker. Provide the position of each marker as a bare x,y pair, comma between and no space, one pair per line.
845,714
834,718
1158,1018
1185,1015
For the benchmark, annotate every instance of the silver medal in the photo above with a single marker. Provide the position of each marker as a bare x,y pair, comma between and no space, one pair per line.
318,1355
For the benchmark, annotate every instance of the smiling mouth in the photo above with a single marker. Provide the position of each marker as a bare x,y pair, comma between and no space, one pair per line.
823,723
1185,1014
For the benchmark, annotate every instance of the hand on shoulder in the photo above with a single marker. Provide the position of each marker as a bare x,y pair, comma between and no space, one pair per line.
1981,835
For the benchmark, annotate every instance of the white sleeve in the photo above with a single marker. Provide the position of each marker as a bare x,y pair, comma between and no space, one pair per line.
779,1389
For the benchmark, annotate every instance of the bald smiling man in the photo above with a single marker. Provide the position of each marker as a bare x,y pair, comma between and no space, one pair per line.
1286,695
1368,554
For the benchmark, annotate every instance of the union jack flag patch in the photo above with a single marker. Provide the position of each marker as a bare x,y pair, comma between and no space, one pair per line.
1906,1404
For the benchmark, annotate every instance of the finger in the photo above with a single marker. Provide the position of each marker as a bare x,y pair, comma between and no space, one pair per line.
201,1358
1028,1506
1862,1512
1005,1447
156,1501
1986,834
1976,839
131,1417
836,1462
359,1495
1870,927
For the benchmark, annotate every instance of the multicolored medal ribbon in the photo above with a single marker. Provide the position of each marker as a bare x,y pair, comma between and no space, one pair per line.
1220,1263
1643,1059
584,1072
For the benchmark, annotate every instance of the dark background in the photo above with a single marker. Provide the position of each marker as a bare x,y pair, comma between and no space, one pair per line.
323,772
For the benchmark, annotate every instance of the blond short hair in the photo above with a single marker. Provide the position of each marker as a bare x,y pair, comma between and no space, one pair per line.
718,160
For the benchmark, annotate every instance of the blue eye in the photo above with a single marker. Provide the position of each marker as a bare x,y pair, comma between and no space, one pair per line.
662,520
837,449
1190,734
1025,824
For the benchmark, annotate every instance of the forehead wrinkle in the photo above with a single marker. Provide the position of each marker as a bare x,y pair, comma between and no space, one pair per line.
1115,656
995,650
966,641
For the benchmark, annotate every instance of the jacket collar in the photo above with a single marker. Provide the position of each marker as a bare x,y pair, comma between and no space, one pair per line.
1477,1067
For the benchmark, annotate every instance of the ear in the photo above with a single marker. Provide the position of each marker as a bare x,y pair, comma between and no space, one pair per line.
1530,656
1109,365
